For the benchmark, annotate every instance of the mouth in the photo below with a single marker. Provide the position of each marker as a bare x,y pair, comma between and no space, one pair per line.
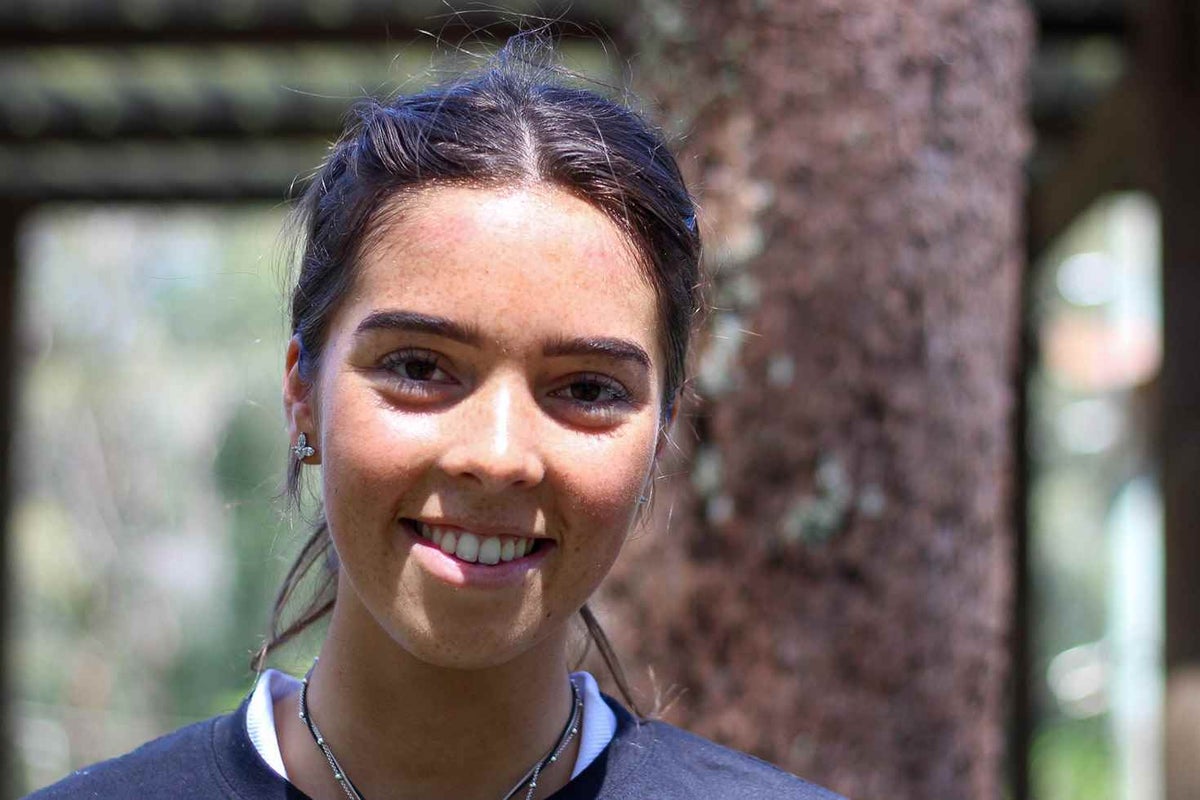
475,548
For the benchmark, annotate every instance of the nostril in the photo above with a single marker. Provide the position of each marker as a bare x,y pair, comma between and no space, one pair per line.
493,470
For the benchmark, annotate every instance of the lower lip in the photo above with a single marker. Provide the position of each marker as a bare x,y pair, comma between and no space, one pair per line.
457,572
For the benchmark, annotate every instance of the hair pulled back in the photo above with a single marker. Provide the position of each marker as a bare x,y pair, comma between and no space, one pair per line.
519,121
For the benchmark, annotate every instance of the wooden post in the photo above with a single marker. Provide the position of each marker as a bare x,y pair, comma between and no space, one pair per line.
1169,60
10,217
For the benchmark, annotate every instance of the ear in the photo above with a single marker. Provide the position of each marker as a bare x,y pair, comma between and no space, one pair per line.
298,402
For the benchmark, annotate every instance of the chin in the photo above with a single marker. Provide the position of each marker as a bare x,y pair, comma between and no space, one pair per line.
470,649
473,635
451,627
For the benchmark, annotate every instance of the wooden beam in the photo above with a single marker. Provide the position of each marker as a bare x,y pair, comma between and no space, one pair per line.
162,171
1101,159
26,23
238,93
1080,17
143,117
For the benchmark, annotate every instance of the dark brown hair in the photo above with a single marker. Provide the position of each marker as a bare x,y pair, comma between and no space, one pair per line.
520,120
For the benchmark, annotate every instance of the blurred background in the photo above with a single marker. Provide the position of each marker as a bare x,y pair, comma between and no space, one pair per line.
148,149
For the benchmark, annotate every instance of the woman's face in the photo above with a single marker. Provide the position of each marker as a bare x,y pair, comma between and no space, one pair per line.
486,415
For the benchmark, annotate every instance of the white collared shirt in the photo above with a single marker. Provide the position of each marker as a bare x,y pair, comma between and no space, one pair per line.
599,721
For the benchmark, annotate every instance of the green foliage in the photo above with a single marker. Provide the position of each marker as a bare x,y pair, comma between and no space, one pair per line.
1072,760
146,533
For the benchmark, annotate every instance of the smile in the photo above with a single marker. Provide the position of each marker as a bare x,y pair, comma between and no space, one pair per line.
474,548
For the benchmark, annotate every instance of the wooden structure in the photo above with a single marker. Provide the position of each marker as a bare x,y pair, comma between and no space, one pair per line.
93,111
1169,88
1138,130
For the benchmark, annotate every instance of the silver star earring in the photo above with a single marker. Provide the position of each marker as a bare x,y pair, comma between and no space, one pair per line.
301,449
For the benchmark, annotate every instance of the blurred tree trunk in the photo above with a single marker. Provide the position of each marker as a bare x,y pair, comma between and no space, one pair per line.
831,589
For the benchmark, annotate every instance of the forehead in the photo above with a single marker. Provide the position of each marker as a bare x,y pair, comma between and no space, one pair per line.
508,258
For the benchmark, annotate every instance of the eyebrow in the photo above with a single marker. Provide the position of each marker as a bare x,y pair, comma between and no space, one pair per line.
604,347
412,321
419,323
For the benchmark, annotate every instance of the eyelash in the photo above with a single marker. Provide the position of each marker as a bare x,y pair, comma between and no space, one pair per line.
620,395
395,363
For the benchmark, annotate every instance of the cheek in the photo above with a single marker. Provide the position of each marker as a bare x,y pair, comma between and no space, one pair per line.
604,484
369,450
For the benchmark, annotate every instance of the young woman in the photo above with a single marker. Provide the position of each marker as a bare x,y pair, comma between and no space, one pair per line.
491,323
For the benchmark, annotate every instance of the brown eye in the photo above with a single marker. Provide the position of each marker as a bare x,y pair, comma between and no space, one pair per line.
594,390
586,391
415,367
420,370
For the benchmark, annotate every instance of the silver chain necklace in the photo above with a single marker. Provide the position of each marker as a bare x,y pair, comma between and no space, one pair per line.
530,777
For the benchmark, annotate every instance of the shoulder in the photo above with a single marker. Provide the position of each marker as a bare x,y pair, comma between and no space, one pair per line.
706,769
178,765
649,758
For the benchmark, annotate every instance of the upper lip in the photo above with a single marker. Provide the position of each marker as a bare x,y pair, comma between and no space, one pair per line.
480,528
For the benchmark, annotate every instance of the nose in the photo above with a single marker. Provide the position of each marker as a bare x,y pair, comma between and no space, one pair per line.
495,441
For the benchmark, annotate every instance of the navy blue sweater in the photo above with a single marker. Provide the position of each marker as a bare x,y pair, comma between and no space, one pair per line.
644,761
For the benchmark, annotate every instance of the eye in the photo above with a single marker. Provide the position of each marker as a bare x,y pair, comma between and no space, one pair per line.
592,391
419,371
594,394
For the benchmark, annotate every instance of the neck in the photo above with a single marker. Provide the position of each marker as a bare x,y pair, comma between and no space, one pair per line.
404,728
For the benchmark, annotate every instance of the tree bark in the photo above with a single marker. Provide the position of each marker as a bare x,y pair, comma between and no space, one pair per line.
829,586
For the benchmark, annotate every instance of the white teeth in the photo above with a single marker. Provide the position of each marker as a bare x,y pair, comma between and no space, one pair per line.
489,551
429,532
468,547
473,548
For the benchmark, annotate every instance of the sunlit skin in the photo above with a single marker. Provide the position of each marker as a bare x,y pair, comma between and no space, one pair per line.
496,367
